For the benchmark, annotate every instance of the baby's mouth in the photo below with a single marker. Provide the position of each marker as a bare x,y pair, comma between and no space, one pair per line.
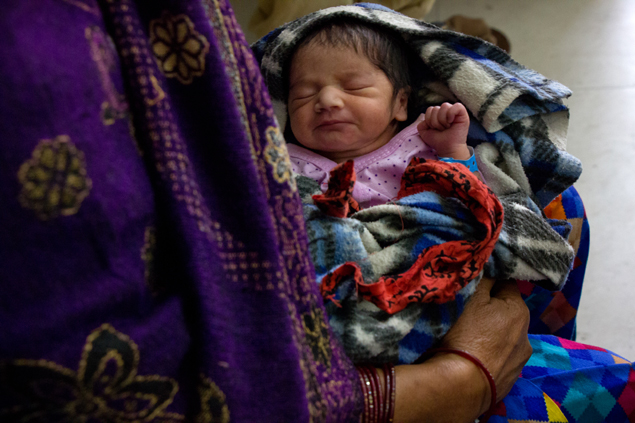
331,123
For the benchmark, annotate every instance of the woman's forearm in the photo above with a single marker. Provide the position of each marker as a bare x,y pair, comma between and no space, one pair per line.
445,388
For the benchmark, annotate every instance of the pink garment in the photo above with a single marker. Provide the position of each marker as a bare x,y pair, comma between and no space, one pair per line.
378,173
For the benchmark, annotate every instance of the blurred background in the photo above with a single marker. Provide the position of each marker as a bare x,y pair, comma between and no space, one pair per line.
589,46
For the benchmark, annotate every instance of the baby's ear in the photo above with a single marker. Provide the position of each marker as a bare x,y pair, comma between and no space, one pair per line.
400,109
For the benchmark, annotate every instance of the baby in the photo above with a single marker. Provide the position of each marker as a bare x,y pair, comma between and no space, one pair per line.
350,83
348,99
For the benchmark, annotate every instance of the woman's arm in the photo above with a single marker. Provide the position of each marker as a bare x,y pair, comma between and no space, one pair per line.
449,388
446,388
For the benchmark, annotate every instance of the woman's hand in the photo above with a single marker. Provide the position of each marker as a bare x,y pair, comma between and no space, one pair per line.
449,388
494,328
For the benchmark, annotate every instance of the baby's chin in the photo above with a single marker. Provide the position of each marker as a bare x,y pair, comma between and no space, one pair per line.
329,145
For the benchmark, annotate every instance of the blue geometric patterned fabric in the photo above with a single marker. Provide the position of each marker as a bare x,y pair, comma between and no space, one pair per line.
554,313
565,381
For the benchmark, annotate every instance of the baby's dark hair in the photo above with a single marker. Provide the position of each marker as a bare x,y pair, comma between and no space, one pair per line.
384,49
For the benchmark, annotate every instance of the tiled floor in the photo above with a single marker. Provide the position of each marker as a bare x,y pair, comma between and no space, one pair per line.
588,45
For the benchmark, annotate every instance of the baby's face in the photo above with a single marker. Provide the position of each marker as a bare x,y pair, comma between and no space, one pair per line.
340,104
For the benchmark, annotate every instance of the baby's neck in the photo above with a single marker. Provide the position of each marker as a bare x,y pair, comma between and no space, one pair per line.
353,154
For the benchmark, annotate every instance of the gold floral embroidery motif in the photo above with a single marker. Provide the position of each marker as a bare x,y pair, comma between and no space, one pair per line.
105,388
179,49
54,180
317,335
213,406
277,156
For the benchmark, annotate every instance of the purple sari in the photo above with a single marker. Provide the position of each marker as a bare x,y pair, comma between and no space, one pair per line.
153,259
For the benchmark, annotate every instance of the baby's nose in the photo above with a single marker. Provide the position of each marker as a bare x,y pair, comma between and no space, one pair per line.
328,98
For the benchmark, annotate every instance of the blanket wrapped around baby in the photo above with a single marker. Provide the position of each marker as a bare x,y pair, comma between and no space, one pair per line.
389,273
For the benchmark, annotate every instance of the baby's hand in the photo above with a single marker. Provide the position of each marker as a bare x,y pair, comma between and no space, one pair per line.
445,129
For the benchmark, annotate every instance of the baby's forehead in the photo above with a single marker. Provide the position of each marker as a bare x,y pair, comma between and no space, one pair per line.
342,62
326,49
363,45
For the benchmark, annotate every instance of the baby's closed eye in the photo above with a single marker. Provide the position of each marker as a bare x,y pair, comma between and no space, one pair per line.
354,87
301,94
355,84
358,91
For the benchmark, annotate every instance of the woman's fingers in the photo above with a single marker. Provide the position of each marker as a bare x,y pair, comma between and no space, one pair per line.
485,285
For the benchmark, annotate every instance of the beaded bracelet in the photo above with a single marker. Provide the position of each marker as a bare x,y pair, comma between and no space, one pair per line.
480,365
379,405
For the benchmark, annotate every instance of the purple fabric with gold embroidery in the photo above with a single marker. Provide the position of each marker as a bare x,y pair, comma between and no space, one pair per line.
153,260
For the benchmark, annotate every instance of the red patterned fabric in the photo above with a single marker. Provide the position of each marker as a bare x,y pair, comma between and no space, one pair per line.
338,199
442,270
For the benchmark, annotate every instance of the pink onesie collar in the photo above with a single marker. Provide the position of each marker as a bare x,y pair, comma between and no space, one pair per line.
378,172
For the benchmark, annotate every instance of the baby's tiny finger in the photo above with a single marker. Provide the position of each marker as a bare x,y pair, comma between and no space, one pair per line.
423,126
432,117
443,115
459,112
453,112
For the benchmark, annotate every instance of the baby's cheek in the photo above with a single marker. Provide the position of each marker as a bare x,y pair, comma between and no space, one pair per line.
294,121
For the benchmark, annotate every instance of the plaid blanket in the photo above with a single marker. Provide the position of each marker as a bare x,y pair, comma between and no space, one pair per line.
518,129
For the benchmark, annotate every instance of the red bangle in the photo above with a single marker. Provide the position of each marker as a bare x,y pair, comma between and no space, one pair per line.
366,391
379,406
480,365
389,394
370,389
379,398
